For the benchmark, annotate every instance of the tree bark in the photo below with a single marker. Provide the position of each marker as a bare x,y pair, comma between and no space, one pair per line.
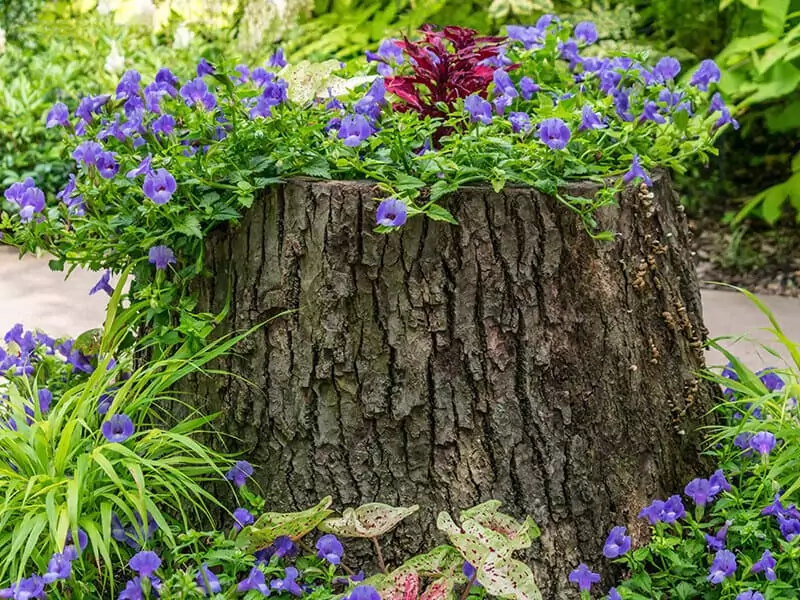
509,357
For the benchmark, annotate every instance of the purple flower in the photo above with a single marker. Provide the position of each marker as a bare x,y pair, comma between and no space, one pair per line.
717,541
354,130
617,543
239,473
479,109
613,594
391,213
750,595
622,104
25,589
330,548
569,51
718,483
583,578
724,566
277,60
673,510
554,133
364,592
145,563
766,564
743,441
282,547
159,186
58,567
89,106
666,69
83,539
161,256
528,88
503,86
204,68
103,284
586,32
531,37
58,115
142,169
468,570
589,119
253,582
790,528
244,74
726,119
207,581
636,171
771,380
165,124
699,490
650,113
763,442
242,518
196,92
129,84
388,54
133,590
87,153
261,76
520,122
708,72
653,512
45,398
288,583
118,428
500,104
32,202
107,165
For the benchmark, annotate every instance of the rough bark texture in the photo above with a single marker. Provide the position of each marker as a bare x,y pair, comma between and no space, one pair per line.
508,357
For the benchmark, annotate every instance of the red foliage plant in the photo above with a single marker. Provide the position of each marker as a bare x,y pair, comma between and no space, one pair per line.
447,65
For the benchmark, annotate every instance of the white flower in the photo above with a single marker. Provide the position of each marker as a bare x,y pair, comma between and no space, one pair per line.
2,40
105,7
136,12
183,37
115,61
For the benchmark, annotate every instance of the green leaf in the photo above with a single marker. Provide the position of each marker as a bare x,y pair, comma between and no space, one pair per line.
190,226
368,521
772,203
270,526
773,14
439,213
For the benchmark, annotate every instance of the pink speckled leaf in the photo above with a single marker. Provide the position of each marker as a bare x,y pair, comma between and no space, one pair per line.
441,589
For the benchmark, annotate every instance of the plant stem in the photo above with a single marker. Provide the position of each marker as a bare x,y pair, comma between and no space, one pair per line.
381,563
468,587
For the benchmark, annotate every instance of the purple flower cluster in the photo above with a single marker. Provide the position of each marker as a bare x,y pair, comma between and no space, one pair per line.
59,568
130,535
28,199
702,491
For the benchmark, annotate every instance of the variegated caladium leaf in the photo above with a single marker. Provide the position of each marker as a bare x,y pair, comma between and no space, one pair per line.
367,521
400,586
443,560
507,578
441,589
520,535
270,526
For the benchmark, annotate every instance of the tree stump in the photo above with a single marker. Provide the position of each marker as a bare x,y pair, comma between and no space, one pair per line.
508,357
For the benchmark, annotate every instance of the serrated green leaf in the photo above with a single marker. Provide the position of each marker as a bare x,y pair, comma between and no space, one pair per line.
190,226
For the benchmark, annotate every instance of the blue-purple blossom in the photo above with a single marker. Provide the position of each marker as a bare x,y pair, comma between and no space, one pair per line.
569,51
699,490
717,541
554,133
790,527
159,185
636,171
45,398
771,380
613,594
31,203
87,153
718,483
207,581
242,518
584,578
58,115
281,547
531,37
161,257
354,129
388,54
253,582
142,168
204,68
83,539
288,583
520,122
25,589
107,165
707,73
391,213
118,428
244,73
500,104
261,76
716,104
586,32
195,92
766,564
165,125
666,69
103,284
763,442
503,86
364,592
239,473
650,113
527,87
589,119
653,512
58,567
129,84
479,110
673,510
750,595
726,119
89,106
330,548
723,566
469,571
277,59
145,563
617,543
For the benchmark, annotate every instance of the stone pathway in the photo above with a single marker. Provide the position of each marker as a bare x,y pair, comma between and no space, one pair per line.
38,298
